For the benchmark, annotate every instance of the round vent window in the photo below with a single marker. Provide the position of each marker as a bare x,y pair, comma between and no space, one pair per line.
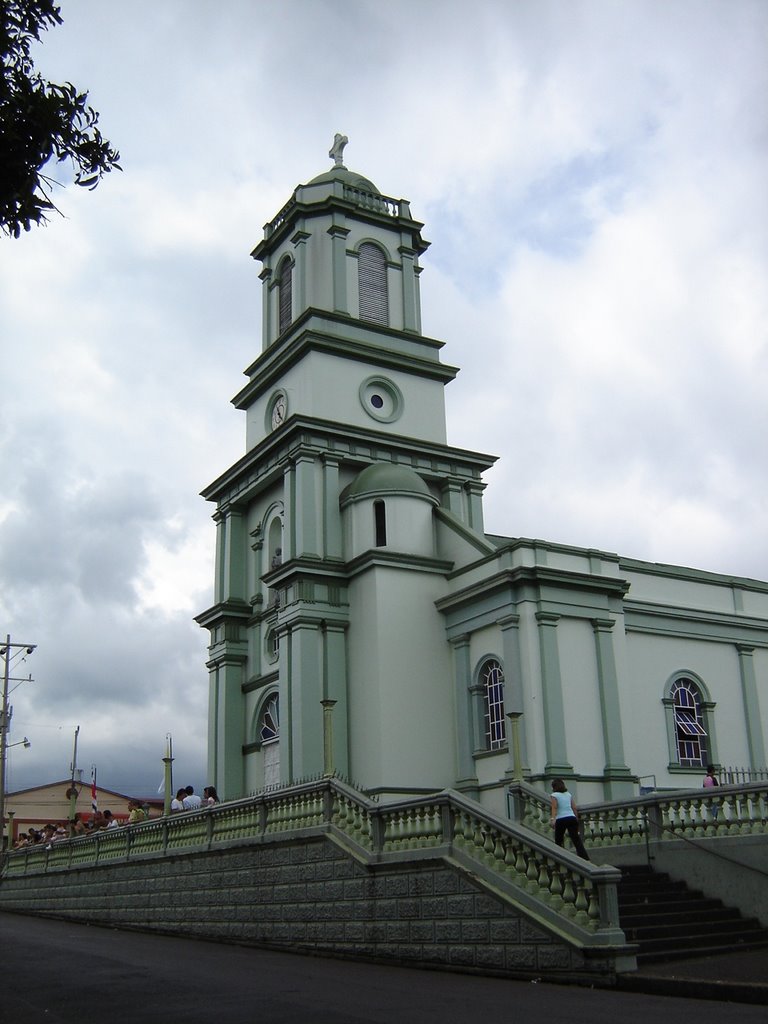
381,398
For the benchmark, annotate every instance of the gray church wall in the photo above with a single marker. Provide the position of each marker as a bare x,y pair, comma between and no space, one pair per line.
654,661
401,711
581,696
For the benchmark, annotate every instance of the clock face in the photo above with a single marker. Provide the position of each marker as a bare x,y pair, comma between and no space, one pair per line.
279,410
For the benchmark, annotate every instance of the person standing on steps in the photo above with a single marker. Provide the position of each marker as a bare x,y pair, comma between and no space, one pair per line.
565,818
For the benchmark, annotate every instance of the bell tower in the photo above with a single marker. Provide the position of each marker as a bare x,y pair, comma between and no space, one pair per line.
345,381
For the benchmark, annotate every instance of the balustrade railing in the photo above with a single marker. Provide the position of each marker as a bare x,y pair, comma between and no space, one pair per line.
690,814
576,897
366,200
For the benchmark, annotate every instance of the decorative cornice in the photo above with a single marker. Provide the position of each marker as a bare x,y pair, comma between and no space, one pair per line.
232,610
266,461
322,331
538,576
695,623
697,575
379,558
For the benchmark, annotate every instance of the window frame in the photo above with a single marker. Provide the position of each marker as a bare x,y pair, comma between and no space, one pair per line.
690,723
490,720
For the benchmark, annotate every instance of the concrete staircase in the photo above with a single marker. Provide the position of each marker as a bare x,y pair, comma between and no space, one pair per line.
669,921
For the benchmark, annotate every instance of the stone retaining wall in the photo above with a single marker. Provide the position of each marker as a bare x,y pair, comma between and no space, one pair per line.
311,896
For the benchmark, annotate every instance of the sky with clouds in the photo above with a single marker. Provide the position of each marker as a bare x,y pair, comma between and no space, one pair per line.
591,174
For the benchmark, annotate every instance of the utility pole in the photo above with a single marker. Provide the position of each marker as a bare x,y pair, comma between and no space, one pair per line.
7,653
72,792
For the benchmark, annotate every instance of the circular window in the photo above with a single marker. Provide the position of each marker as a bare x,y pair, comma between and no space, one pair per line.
382,399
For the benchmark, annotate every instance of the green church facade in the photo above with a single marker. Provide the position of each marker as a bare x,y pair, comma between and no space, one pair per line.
364,622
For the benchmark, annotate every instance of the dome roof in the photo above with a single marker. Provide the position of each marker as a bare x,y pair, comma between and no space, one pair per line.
386,478
341,173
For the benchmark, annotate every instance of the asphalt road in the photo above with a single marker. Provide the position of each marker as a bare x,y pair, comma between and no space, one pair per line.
54,972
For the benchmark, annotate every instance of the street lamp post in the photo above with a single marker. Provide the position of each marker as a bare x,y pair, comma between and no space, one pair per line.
168,775
7,653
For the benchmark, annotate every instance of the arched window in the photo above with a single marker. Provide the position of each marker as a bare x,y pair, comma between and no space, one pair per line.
372,284
690,728
269,736
492,680
285,295
269,725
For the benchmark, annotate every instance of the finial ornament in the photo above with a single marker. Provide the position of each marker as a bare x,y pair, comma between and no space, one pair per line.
337,149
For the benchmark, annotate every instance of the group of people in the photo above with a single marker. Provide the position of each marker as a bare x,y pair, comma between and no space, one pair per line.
99,822
188,800
185,800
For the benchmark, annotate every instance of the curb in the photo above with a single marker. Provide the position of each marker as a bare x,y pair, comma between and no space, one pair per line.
755,993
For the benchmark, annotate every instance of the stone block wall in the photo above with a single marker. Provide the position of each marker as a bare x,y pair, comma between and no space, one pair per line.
310,896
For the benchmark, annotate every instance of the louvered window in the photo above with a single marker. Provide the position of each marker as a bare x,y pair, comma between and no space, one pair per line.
690,731
372,284
285,295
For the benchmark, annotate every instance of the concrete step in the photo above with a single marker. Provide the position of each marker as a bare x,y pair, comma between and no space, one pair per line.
669,921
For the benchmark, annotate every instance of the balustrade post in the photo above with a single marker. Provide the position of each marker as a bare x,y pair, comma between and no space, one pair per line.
446,824
377,831
517,804
608,902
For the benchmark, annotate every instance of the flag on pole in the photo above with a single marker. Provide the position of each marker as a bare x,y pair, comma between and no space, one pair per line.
94,801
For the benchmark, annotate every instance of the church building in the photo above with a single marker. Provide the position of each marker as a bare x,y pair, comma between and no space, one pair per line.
363,620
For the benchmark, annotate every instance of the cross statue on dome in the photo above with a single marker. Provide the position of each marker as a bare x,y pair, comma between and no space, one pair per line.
337,149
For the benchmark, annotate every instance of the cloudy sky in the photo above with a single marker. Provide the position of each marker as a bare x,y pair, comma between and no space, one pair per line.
592,179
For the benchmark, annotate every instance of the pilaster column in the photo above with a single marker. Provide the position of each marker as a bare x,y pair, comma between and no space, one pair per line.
338,234
513,683
755,738
332,538
417,289
610,709
301,269
289,530
305,511
226,727
233,561
410,315
306,719
466,779
552,691
475,490
285,662
221,534
452,498
266,305
335,688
